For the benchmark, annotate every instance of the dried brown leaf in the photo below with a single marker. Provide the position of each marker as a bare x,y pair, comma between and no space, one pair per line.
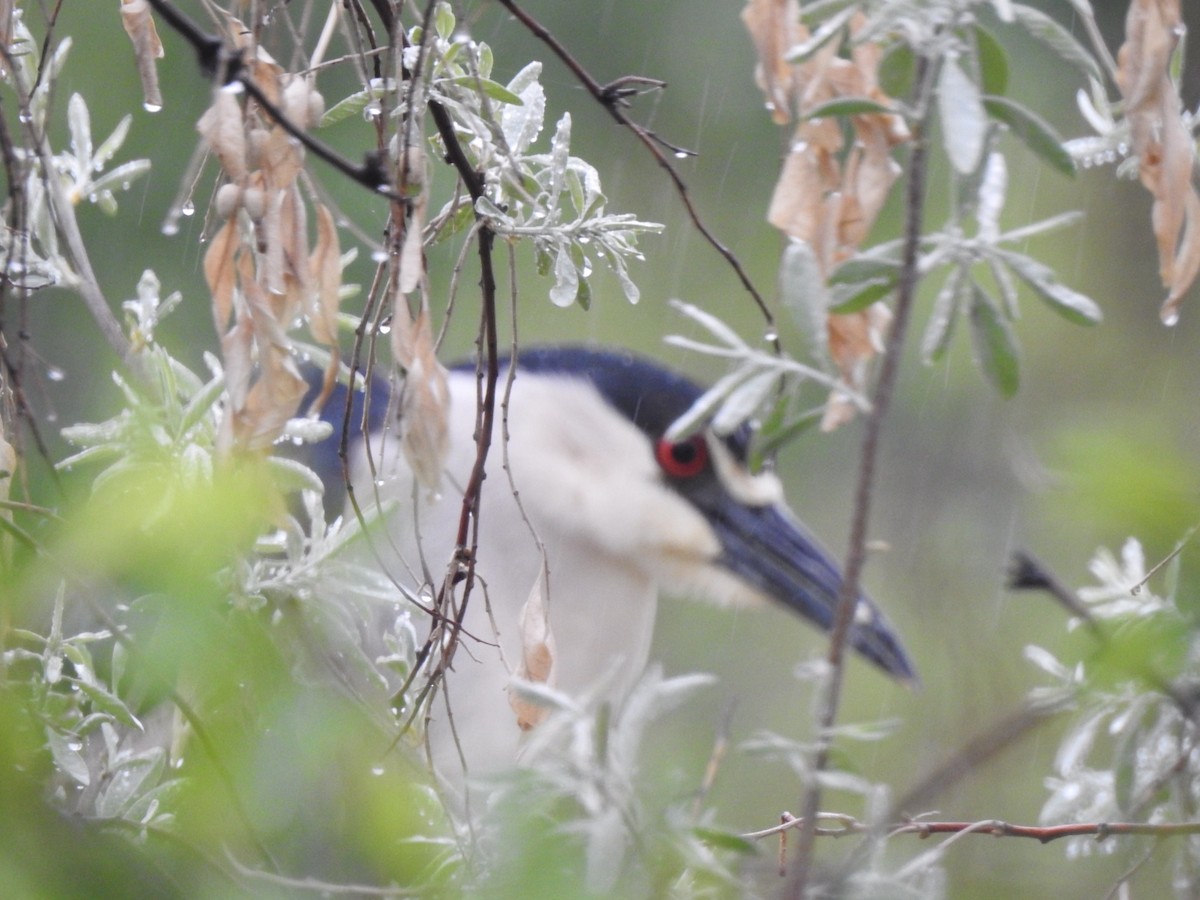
220,271
325,264
537,651
775,28
1163,145
139,25
221,127
855,340
425,400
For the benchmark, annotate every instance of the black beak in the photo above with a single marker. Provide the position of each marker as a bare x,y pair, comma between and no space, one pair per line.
769,550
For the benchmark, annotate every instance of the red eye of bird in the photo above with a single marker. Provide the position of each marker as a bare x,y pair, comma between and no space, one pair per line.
682,459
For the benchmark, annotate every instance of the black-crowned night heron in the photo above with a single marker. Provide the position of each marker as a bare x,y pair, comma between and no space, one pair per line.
623,513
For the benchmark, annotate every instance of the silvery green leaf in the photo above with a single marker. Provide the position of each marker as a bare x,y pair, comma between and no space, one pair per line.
560,157
993,188
1035,132
994,342
702,409
566,279
743,401
950,299
964,120
522,124
487,87
65,753
1070,304
307,430
112,143
201,404
120,177
1005,284
290,475
80,124
712,324
1045,29
128,781
802,291
631,291
821,36
353,105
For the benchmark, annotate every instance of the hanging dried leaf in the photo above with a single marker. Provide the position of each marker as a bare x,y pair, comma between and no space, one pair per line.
220,271
1163,145
775,28
221,127
537,651
425,400
854,342
139,25
325,265
831,189
8,466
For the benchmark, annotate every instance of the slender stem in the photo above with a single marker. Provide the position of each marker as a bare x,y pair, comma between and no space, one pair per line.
856,558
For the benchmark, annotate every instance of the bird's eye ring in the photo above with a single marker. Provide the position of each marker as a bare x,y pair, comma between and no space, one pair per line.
682,459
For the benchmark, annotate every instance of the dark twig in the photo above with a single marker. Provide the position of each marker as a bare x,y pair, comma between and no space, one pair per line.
873,429
847,826
224,65
614,97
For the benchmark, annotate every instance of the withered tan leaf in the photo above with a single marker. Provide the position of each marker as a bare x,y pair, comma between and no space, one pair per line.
1163,145
425,399
855,340
537,650
775,28
8,466
325,264
221,127
220,271
139,25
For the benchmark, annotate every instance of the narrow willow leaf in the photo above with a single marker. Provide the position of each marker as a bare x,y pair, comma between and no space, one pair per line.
1070,304
1036,133
290,475
964,122
994,342
897,71
1045,29
488,87
993,62
802,289
829,29
865,268
950,298
847,106
744,401
851,298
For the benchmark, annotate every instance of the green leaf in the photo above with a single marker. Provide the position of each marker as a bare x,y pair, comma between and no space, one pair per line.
993,62
897,71
290,475
828,29
949,301
865,268
964,122
1070,304
845,298
1049,32
1034,131
994,342
726,840
351,106
847,106
492,89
